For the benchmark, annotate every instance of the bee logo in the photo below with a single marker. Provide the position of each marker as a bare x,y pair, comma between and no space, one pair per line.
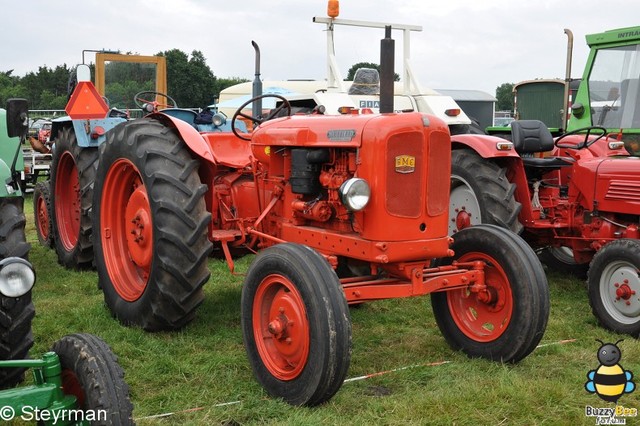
609,381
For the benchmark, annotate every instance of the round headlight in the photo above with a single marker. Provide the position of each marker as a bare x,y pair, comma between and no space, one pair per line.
355,194
16,277
219,119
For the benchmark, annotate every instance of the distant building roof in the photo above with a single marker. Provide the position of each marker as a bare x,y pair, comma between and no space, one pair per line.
468,95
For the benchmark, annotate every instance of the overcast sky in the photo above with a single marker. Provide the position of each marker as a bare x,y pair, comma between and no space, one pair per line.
463,45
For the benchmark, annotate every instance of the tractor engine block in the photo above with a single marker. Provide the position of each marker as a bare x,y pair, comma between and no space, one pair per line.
316,177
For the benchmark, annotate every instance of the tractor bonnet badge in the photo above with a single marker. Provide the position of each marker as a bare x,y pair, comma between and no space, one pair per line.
405,164
341,135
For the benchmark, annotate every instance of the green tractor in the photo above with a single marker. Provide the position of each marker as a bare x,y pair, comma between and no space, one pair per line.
605,96
79,382
610,87
16,308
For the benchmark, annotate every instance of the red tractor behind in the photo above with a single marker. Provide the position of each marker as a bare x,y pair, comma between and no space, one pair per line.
343,209
581,204
576,200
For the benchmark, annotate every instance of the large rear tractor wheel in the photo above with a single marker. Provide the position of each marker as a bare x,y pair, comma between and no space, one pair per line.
73,173
152,248
295,325
480,193
91,373
614,286
505,321
16,313
42,213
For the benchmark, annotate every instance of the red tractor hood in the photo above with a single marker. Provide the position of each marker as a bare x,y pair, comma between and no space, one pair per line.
313,130
613,183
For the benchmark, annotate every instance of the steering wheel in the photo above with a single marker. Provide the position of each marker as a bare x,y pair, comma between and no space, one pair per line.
285,106
151,105
586,143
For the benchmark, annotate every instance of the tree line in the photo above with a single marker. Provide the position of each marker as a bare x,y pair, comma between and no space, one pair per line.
190,82
504,96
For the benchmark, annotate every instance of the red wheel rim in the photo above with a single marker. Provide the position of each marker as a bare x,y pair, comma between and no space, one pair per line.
71,386
484,316
42,215
280,327
67,201
127,230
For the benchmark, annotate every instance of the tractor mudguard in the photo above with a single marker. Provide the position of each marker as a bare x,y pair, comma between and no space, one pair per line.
89,132
194,140
486,146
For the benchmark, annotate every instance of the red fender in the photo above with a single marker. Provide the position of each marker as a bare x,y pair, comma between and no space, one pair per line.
486,146
194,140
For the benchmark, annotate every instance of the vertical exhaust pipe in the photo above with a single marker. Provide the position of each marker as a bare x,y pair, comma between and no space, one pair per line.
387,72
256,107
567,77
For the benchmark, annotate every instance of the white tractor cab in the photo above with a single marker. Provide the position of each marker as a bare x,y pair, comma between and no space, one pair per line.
335,96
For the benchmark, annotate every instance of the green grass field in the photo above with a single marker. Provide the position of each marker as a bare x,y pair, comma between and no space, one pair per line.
201,374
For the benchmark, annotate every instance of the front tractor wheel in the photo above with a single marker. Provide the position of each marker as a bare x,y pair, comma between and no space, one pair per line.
152,250
505,321
91,373
614,286
73,172
480,193
295,325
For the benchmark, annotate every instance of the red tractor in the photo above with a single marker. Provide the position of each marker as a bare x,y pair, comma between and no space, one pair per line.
342,209
581,204
576,200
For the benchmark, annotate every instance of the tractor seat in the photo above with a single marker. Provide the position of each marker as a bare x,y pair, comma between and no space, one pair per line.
532,136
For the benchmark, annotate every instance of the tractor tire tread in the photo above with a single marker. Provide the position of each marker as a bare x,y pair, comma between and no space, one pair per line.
500,206
16,314
42,190
99,374
181,245
86,160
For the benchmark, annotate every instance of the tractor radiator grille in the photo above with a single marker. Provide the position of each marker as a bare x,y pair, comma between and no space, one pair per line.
439,177
405,168
624,190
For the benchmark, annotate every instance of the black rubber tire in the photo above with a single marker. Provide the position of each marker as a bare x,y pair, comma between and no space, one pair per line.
557,259
179,221
492,190
16,314
13,240
616,261
41,192
89,365
328,319
86,161
527,283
